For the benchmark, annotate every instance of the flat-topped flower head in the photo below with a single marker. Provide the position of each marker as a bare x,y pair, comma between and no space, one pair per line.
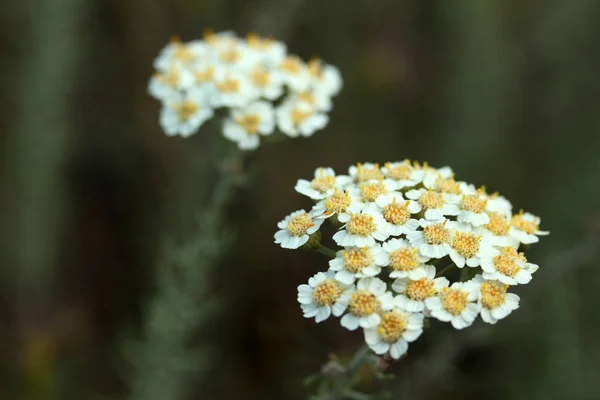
362,229
297,118
365,302
357,262
469,245
495,302
320,298
398,213
402,173
322,185
412,293
434,204
393,333
525,227
403,260
434,240
184,114
507,266
246,124
455,304
296,229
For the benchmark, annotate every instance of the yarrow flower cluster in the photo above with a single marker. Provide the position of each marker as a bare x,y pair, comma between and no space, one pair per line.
258,85
405,231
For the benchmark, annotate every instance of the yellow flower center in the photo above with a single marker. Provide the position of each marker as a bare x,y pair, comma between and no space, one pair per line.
228,86
307,97
338,202
314,68
449,186
506,265
370,191
392,326
473,203
363,303
466,244
229,56
493,294
512,252
259,43
355,259
399,172
431,199
292,65
205,75
186,109
260,77
169,78
299,224
524,225
498,224
420,290
181,52
454,300
323,183
396,213
368,173
361,225
327,293
249,122
405,259
436,233
298,116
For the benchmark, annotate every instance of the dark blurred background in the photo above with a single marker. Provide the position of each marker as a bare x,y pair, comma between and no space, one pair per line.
506,92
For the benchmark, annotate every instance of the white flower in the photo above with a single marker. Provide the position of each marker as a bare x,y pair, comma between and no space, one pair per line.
369,191
362,229
295,73
323,185
270,51
397,213
472,209
494,301
164,85
340,203
320,298
232,89
498,227
404,260
295,229
315,100
325,79
183,114
297,118
526,228
357,262
435,204
365,172
434,240
176,54
508,266
396,329
455,304
365,302
266,82
432,177
234,55
413,293
469,245
499,204
245,124
402,173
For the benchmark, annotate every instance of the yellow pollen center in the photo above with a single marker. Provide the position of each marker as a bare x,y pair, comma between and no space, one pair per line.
361,225
392,326
396,213
436,233
260,77
473,203
498,224
205,75
368,173
449,186
363,303
327,293
228,86
186,109
169,78
512,252
257,42
323,183
526,226
307,97
229,56
493,294
370,191
405,259
431,199
299,224
291,65
314,68
420,290
299,116
454,300
466,244
338,202
506,265
399,172
355,259
249,122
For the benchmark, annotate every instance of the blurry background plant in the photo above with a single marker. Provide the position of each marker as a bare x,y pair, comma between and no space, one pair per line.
504,91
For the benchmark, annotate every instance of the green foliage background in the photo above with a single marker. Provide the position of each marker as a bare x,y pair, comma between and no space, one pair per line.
91,190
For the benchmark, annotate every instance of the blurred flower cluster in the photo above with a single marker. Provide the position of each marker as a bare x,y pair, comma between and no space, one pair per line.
254,81
415,243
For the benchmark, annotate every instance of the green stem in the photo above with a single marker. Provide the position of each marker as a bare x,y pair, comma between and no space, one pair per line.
445,270
341,386
326,251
